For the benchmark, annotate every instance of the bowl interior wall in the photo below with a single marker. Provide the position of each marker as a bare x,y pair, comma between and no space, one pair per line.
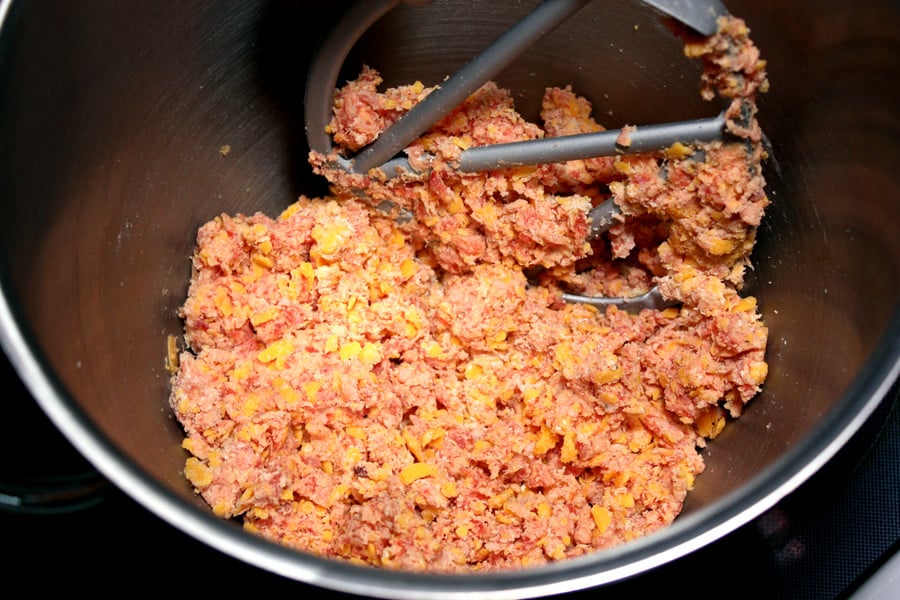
113,118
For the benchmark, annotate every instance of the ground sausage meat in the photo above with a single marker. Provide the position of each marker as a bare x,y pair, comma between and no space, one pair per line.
412,392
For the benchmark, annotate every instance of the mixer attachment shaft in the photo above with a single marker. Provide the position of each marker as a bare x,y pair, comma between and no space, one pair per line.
700,15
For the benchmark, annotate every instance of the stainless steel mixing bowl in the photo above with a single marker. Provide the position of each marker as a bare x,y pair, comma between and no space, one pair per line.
112,116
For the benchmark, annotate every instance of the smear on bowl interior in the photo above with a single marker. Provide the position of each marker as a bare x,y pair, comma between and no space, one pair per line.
414,394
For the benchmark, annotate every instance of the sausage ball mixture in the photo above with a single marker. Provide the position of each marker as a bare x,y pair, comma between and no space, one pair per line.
388,375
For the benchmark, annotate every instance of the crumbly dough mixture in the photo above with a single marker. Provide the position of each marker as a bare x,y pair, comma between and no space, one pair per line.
413,393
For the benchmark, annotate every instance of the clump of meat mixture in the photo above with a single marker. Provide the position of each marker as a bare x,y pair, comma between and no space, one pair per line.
413,393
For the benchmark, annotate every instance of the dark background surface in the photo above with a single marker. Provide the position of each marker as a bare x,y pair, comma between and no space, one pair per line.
75,531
